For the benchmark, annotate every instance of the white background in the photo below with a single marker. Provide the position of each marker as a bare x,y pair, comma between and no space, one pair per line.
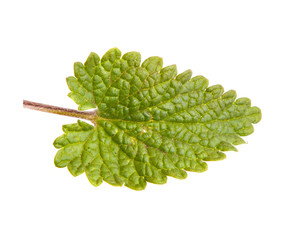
233,43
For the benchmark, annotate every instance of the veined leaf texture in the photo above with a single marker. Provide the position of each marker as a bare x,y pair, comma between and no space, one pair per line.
151,122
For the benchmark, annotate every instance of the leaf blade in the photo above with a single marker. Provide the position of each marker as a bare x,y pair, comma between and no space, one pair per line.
152,122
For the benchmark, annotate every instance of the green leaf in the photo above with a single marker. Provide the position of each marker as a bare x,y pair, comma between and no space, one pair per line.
151,122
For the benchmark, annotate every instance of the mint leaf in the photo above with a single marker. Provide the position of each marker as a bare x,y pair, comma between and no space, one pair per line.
151,122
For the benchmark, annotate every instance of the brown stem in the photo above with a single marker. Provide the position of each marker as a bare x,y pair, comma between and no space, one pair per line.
89,115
